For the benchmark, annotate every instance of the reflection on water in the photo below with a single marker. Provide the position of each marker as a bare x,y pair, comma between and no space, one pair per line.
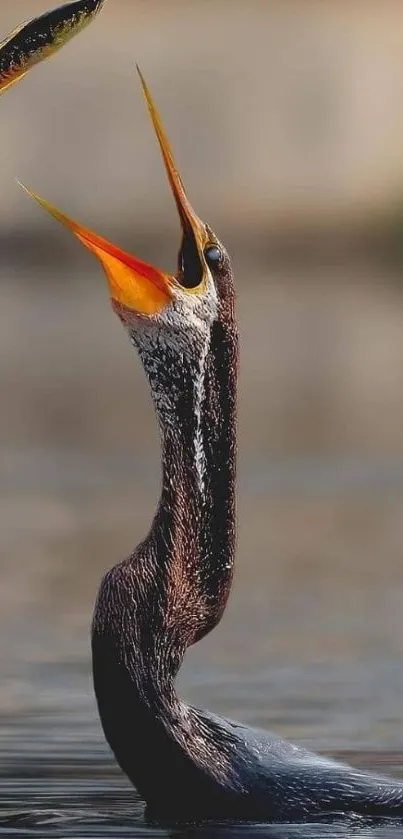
312,642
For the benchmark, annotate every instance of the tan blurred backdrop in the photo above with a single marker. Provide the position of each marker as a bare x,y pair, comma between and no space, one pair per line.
287,123
278,111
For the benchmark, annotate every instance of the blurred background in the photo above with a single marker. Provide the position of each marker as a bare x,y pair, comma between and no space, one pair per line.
287,125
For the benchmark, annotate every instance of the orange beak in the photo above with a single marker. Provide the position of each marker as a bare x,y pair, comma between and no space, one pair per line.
135,285
39,38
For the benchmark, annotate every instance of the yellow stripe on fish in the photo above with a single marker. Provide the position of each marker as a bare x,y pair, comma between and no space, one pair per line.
41,37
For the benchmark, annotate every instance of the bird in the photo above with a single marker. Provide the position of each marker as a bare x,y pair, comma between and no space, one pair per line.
187,764
41,37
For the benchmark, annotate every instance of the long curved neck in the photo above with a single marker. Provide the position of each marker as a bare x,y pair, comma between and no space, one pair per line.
174,587
194,529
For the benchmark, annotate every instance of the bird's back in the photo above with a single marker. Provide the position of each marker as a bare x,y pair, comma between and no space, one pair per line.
283,782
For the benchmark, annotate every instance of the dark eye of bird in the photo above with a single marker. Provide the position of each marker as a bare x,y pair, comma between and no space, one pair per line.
212,255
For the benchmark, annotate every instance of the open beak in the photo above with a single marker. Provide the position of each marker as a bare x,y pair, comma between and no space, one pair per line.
135,285
41,37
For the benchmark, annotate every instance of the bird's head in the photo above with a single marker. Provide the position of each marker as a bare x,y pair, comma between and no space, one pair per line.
169,318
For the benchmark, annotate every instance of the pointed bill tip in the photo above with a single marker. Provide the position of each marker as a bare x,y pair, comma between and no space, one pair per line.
50,208
28,190
31,193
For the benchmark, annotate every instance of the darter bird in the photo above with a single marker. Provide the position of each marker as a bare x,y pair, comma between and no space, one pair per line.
187,763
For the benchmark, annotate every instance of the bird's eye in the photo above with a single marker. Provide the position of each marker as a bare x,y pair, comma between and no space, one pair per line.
212,255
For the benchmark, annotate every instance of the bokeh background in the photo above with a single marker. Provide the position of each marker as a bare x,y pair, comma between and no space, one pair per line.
287,124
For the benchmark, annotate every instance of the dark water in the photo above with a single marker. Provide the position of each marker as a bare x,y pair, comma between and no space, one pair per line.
55,784
57,780
311,645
